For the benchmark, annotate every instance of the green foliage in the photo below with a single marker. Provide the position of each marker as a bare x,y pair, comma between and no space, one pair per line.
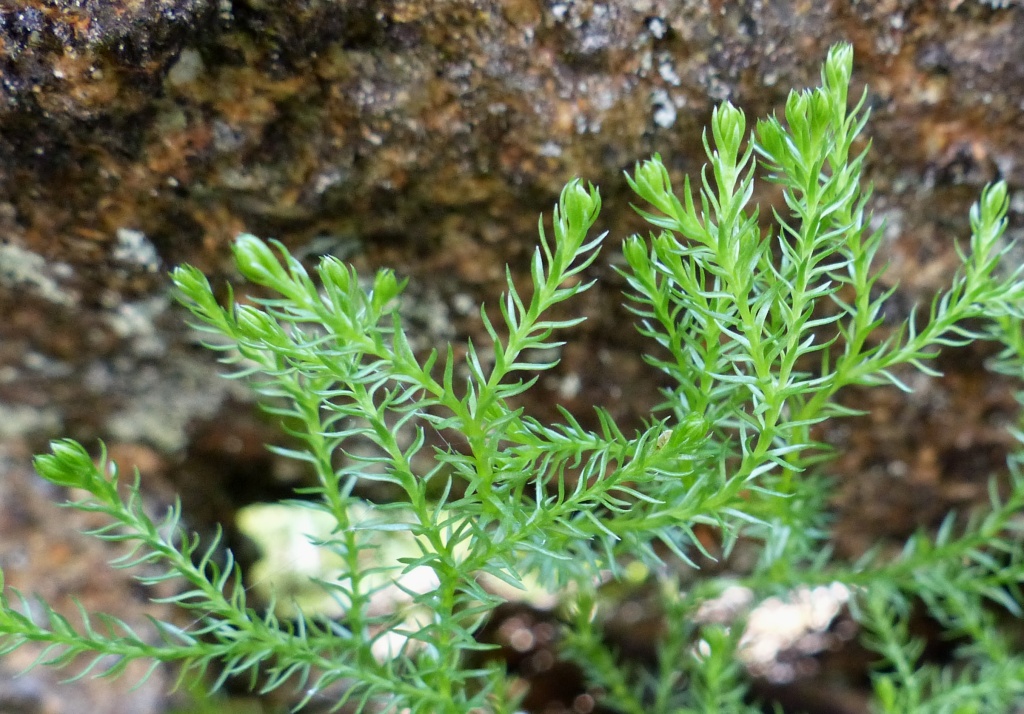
758,332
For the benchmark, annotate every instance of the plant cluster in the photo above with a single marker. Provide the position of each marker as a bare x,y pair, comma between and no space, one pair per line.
757,331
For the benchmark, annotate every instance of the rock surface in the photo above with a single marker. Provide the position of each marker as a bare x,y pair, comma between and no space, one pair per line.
139,134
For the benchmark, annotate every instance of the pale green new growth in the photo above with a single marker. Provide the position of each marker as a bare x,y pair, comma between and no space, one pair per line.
758,331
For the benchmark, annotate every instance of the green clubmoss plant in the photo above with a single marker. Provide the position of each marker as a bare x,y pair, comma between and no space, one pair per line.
757,330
